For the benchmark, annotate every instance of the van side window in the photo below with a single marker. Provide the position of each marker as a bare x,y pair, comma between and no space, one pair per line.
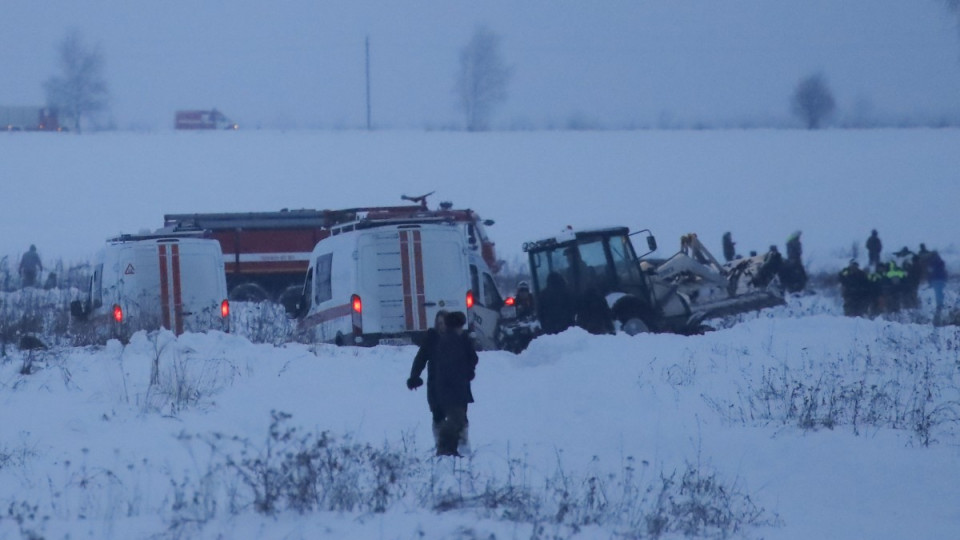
96,286
324,287
491,297
307,295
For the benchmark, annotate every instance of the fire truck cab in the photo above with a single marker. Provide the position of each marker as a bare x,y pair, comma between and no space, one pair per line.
385,284
145,282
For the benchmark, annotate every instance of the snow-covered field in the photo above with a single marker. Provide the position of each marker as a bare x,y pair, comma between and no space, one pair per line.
795,423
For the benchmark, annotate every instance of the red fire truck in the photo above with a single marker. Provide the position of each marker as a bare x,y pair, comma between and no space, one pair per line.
266,254
29,119
212,119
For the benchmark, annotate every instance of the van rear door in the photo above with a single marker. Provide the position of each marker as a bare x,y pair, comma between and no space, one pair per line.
202,287
418,271
190,284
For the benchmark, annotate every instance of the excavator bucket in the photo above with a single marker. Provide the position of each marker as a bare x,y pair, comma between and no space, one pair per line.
717,290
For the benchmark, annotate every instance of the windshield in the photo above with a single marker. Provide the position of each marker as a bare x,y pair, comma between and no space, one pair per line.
587,265
624,260
550,261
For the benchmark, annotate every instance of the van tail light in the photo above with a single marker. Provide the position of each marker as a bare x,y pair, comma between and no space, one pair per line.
469,299
225,309
117,313
509,301
356,306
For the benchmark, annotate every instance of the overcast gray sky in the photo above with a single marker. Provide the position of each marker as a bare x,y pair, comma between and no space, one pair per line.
616,63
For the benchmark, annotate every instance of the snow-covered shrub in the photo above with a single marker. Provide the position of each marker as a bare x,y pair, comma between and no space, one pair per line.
696,503
451,485
28,520
898,383
261,322
15,457
313,471
180,378
194,504
39,316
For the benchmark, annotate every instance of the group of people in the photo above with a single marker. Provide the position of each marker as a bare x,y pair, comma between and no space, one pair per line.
792,274
891,285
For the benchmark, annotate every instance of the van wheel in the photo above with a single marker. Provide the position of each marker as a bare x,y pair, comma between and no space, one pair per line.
290,297
633,315
339,339
634,326
249,292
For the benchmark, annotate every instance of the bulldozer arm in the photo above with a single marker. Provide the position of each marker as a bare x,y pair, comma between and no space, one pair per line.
717,290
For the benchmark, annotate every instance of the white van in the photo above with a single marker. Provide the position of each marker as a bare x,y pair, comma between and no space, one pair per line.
145,282
385,284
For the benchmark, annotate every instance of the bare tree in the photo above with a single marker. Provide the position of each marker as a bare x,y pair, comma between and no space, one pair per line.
79,90
954,6
812,100
482,81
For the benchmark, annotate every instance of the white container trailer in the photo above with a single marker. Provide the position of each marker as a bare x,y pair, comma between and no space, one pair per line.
386,284
148,282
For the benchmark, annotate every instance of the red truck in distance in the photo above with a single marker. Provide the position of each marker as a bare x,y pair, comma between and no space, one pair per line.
212,119
29,119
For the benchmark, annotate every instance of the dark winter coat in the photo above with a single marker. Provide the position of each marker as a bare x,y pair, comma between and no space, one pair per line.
874,246
30,263
524,303
936,269
729,253
772,262
855,283
794,249
451,363
557,305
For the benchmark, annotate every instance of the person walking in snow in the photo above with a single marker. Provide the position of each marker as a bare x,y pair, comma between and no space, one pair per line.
874,246
448,355
420,361
30,267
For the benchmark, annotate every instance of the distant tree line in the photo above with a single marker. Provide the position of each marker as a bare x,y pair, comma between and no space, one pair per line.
78,91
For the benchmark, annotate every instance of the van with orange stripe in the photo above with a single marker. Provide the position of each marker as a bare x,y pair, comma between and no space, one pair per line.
384,284
147,282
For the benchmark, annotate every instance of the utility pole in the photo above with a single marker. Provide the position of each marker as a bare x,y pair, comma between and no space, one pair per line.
368,80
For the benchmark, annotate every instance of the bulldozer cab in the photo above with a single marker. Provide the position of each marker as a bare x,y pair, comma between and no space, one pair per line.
598,260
